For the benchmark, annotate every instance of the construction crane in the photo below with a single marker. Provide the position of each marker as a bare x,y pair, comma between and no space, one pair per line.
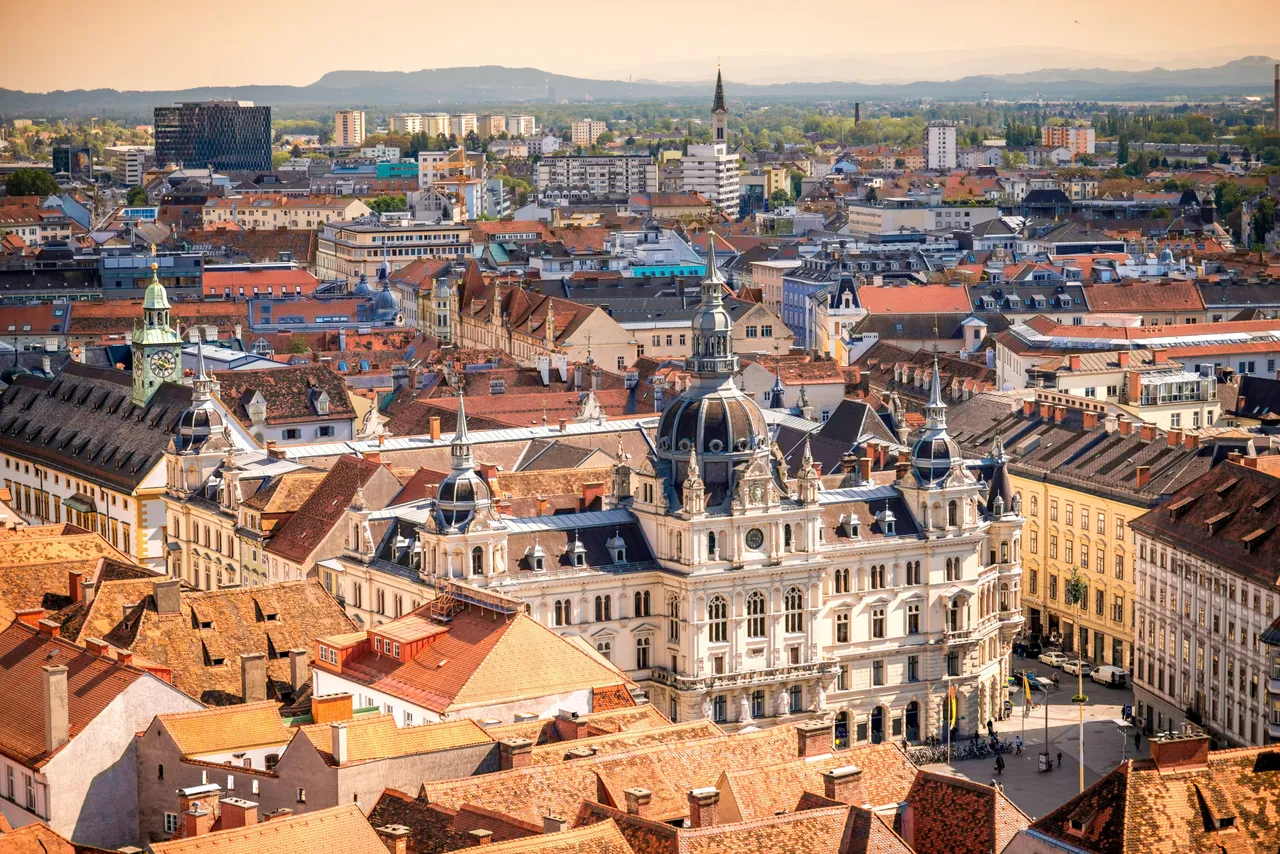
463,180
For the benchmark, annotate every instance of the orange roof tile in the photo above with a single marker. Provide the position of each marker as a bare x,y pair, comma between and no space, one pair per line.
914,299
601,838
36,838
341,828
227,728
378,737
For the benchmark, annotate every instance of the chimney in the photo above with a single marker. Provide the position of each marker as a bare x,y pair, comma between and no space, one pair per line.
1074,361
553,823
97,647
1191,441
75,585
338,739
299,673
843,784
435,428
1028,408
864,469
329,708
253,677
395,837
274,452
813,738
1122,358
282,812
591,492
638,801
124,657
29,616
237,812
1161,356
481,836
1125,426
198,820
542,506
1090,420
1174,438
1232,457
1046,411
564,422
374,457
1147,432
167,596
1059,414
56,714
704,806
1141,476
1180,752
49,628
514,753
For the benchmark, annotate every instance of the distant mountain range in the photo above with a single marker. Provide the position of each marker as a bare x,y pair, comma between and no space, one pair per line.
497,84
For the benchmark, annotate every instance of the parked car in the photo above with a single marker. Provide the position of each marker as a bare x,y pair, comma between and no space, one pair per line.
1053,659
1076,667
1033,648
1116,677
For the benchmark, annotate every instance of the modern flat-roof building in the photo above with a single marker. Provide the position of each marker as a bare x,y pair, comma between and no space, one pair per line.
353,249
348,127
218,134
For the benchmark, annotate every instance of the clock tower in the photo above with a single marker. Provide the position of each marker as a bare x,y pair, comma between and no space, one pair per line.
157,347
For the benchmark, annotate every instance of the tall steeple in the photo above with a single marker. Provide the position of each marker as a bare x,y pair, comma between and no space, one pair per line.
460,447
935,453
719,114
936,412
713,361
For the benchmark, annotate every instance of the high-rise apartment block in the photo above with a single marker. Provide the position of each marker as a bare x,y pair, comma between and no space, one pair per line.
462,124
216,134
348,127
941,145
128,162
525,126
489,126
1078,139
405,123
587,131
435,124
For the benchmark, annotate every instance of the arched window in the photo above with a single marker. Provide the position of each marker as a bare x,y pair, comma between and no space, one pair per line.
786,537
679,545
717,615
793,602
1035,506
605,648
642,653
1004,551
563,613
711,545
913,573
477,561
1004,597
673,619
842,580
953,513
877,577
642,603
604,608
755,615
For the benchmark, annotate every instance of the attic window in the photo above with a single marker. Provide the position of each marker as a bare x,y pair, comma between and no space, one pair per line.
1225,822
1215,522
497,386
1224,488
271,618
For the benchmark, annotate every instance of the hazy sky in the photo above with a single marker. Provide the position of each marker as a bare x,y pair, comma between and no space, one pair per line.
173,44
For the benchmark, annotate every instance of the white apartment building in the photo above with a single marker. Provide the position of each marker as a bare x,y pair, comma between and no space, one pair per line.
1206,596
585,132
712,170
541,146
462,124
405,123
348,127
596,177
128,162
902,214
729,590
941,145
490,126
381,153
525,126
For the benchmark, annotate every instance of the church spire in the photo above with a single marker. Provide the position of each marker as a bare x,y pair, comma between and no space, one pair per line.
717,105
712,360
936,412
460,447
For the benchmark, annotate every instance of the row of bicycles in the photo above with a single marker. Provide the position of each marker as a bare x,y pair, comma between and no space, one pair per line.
930,754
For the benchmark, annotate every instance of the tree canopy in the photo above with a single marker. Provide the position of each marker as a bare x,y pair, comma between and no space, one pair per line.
31,182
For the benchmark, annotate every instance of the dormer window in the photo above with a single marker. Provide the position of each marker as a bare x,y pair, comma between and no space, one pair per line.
617,548
321,403
498,386
579,552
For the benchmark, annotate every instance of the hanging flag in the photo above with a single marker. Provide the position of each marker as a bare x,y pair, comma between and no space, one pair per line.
951,696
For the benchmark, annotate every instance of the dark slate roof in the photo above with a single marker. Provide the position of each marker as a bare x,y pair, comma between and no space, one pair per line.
1238,294
1227,516
1013,298
1038,198
84,422
914,327
290,393
850,422
1254,397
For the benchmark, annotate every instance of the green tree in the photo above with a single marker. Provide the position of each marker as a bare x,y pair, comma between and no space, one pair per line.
298,345
872,196
278,158
605,138
388,204
1264,220
137,196
296,151
31,182
779,197
1122,149
900,163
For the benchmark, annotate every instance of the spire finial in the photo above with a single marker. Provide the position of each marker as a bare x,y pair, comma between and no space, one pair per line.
200,361
997,448
460,436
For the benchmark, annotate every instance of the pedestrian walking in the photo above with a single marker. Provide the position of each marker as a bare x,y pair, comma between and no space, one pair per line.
999,764
991,727
1017,745
1059,758
1137,739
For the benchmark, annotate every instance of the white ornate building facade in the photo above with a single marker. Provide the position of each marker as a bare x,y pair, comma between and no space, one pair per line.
731,590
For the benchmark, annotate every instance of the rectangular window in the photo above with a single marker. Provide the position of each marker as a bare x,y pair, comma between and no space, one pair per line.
877,673
842,678
1053,587
171,822
913,619
913,668
1070,513
1053,546
1053,511
842,628
1034,542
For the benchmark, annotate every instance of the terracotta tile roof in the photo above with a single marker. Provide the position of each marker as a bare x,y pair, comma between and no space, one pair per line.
950,815
622,742
206,662
872,833
611,697
886,778
256,245
1144,296
92,683
914,299
797,833
341,828
227,728
501,228
543,731
285,493
323,508
601,838
579,240
36,838
35,568
116,317
378,737
252,282
480,660
290,393
431,828
110,600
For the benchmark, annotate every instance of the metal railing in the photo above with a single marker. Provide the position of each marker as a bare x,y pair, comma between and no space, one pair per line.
744,678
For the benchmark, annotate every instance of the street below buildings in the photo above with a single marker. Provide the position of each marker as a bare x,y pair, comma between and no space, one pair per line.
1039,792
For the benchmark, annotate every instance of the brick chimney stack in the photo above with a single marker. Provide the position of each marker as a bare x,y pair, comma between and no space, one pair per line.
813,738
238,813
514,753
395,837
704,807
638,802
57,731
1186,750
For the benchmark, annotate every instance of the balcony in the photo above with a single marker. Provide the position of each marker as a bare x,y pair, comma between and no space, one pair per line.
746,678
1273,685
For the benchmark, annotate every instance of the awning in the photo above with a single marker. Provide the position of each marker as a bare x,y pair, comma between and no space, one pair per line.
80,502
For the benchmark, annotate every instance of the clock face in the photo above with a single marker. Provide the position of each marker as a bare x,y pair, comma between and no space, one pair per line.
755,538
163,363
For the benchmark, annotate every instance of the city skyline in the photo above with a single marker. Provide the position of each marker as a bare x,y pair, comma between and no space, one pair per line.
1082,37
